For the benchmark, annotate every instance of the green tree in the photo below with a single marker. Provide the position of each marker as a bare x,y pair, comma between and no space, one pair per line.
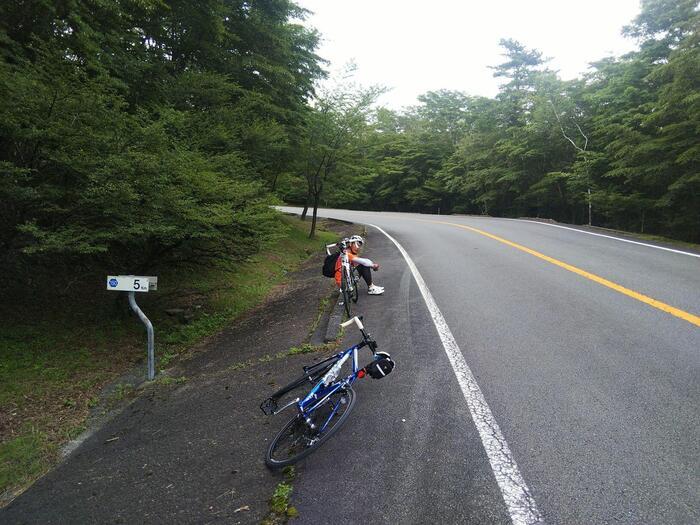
646,122
132,133
334,134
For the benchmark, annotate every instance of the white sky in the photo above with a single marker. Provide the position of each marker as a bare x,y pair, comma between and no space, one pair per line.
418,46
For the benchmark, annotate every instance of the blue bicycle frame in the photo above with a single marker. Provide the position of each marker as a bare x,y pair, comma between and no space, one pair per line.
327,385
320,393
327,405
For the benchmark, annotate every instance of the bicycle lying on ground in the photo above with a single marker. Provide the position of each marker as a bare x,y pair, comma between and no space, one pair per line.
349,278
324,409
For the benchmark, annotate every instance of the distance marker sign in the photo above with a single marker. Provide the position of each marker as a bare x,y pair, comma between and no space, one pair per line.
128,283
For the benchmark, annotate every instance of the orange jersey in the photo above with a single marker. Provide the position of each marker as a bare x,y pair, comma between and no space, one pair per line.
339,265
354,260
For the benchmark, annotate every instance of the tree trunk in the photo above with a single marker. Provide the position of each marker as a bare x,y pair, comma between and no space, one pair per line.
317,198
306,205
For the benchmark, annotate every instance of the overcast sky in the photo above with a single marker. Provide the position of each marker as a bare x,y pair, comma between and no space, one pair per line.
417,46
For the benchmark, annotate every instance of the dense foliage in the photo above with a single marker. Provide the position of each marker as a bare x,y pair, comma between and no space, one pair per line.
135,131
628,131
142,131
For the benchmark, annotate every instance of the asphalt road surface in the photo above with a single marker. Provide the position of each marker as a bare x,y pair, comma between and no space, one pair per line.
586,353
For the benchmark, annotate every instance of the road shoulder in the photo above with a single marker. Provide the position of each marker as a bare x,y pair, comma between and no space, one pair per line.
191,450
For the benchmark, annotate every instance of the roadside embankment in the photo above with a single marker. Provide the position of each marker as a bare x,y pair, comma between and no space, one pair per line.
61,372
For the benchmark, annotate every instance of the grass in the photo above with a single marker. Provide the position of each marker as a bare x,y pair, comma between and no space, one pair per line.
308,348
305,348
666,240
167,381
24,458
322,308
281,509
231,292
636,234
52,370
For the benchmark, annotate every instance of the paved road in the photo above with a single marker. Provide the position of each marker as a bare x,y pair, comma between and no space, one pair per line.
592,377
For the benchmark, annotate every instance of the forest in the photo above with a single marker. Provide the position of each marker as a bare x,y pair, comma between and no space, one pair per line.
138,132
624,138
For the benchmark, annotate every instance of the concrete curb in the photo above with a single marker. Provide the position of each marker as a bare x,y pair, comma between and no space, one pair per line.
336,317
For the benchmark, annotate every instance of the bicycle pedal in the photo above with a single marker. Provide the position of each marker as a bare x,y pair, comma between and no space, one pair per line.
269,406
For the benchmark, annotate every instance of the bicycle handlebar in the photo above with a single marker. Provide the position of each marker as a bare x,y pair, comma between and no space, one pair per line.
355,320
366,338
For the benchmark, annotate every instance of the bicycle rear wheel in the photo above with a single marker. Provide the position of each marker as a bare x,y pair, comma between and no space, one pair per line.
313,373
297,439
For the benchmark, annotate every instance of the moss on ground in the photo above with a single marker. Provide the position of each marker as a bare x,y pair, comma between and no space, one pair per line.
281,509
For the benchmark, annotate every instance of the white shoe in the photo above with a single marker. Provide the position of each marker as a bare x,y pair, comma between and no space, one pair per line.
375,290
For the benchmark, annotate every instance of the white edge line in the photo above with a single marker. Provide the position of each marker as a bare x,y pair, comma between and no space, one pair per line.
518,499
610,237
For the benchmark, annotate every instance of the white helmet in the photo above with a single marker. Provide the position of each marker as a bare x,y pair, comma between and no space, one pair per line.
356,238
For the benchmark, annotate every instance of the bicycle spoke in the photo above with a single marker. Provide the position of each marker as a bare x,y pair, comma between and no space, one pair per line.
297,439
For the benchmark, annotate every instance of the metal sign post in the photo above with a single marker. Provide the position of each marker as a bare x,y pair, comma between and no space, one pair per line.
133,284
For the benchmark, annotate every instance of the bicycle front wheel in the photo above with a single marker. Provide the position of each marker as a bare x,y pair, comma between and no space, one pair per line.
297,439
346,295
355,292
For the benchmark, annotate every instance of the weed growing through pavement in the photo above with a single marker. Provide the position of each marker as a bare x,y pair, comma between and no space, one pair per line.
305,348
281,509
166,358
167,381
241,365
308,348
123,391
322,308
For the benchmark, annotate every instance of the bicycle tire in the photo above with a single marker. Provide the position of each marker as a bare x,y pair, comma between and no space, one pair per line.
355,294
346,295
291,386
314,373
302,441
346,303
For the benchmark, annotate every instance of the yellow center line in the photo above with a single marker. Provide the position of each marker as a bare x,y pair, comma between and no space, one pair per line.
686,316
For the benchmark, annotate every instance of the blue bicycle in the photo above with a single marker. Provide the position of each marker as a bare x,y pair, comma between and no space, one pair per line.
321,412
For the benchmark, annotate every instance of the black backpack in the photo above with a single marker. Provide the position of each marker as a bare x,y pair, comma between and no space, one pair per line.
329,264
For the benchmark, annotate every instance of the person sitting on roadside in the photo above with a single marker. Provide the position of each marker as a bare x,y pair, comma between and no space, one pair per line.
364,266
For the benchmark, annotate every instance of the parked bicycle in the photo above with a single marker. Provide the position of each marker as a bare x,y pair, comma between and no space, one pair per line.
349,276
323,410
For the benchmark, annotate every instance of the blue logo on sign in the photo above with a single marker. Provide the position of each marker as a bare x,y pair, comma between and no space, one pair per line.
113,283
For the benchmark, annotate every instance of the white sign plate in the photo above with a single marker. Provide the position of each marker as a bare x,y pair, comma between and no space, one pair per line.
127,283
